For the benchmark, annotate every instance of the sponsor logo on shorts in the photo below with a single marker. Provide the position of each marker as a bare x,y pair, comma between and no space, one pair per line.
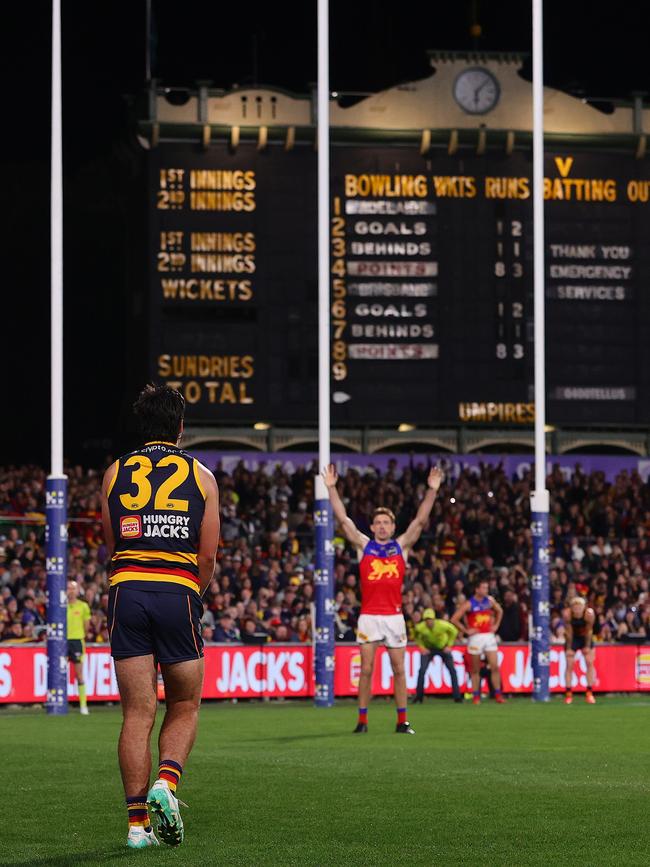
130,527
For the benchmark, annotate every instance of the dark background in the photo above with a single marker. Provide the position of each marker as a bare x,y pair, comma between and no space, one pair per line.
592,48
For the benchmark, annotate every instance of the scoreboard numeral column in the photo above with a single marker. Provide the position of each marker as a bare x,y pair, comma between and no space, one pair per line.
517,303
510,290
339,294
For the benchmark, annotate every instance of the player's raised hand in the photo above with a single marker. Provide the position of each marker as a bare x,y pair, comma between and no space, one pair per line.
330,476
435,478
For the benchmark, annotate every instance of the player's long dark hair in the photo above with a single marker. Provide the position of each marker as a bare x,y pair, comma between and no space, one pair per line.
159,410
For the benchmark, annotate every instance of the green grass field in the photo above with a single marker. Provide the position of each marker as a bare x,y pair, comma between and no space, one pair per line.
288,784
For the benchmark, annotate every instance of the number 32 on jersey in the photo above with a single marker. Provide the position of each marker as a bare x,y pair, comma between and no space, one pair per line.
163,498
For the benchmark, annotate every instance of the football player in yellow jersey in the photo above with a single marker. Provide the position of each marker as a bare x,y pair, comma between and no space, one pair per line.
78,620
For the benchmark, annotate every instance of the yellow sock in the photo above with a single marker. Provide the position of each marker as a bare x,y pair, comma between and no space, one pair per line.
82,695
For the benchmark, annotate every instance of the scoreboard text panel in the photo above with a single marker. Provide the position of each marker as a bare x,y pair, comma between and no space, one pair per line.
431,285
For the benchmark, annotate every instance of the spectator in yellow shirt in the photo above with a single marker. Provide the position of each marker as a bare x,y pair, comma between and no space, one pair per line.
435,638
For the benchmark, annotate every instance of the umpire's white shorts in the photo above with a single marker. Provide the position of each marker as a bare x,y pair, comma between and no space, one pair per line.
387,628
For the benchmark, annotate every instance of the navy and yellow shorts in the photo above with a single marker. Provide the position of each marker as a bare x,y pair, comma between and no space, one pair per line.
165,624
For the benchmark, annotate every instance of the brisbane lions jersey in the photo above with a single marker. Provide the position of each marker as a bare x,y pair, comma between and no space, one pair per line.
156,502
480,616
382,574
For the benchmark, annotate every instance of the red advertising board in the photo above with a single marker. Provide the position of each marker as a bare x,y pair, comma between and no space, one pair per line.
230,672
285,670
23,674
248,672
617,668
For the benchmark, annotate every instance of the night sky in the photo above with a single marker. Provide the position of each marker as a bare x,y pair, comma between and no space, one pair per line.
596,49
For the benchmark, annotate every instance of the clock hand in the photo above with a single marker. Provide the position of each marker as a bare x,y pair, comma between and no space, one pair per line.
479,89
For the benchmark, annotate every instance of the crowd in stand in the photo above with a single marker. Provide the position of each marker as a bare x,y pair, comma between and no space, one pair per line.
263,588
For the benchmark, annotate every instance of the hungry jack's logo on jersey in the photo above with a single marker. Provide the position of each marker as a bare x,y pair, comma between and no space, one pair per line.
130,527
383,569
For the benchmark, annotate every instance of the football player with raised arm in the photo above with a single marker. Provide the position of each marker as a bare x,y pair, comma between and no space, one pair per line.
382,564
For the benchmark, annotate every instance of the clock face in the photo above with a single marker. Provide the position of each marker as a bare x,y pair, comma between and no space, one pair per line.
476,90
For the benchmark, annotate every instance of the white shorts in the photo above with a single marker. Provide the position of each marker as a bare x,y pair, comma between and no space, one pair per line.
389,628
482,642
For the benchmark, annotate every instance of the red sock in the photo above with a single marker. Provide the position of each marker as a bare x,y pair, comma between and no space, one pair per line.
401,715
363,716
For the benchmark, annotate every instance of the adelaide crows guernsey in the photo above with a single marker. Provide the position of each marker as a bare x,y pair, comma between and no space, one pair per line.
579,626
479,616
156,503
382,574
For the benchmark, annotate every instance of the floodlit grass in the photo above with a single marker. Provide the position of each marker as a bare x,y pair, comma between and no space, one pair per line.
285,783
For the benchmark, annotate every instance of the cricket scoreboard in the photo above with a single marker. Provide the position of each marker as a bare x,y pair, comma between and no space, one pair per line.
431,285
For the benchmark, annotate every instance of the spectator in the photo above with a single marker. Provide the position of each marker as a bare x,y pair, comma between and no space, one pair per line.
510,628
226,632
208,617
30,614
253,633
283,635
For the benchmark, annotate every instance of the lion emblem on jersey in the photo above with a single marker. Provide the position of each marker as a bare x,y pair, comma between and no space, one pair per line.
383,569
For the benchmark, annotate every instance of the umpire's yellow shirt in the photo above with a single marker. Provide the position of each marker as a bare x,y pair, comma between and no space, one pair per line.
78,616
441,635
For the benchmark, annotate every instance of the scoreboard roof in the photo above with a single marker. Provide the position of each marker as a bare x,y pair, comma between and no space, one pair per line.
424,112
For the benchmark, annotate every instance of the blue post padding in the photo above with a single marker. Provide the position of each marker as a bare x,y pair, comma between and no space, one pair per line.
56,551
540,606
324,587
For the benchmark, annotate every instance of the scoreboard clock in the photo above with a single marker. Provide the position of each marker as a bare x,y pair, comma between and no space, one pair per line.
476,90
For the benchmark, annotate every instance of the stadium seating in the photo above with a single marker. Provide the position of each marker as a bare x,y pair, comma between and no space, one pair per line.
263,585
